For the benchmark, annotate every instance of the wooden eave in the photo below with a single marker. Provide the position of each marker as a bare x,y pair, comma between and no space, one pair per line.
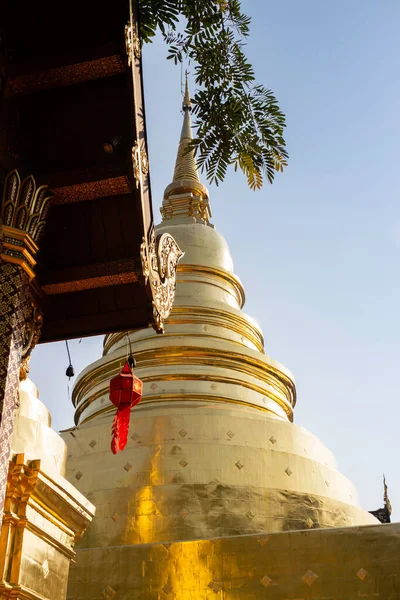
67,91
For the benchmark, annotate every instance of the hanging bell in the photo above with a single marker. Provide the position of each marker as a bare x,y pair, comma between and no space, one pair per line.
125,392
70,371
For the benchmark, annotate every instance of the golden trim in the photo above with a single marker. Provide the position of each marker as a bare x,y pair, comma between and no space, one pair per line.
153,399
275,381
214,317
178,355
219,274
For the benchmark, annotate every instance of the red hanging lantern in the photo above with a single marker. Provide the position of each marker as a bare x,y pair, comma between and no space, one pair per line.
125,392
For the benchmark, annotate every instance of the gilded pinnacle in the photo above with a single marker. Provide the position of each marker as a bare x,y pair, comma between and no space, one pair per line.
186,196
187,102
185,166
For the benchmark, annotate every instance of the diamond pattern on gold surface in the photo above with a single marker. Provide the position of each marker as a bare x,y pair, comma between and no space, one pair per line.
92,443
362,573
115,517
153,386
128,467
326,483
272,439
213,386
183,463
310,523
262,540
184,513
167,589
266,581
183,432
216,585
78,475
109,593
288,471
239,465
135,437
309,578
250,515
230,434
46,569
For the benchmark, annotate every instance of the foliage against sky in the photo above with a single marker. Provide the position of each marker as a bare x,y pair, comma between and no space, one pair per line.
238,121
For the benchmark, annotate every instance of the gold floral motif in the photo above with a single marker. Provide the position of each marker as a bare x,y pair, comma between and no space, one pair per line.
159,262
132,43
140,163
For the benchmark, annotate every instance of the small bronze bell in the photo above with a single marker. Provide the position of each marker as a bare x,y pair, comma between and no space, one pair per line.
70,371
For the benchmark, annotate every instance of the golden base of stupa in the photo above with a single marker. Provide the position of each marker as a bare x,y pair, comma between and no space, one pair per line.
334,564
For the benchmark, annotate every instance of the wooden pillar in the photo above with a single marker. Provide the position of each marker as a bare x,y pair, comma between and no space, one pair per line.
23,209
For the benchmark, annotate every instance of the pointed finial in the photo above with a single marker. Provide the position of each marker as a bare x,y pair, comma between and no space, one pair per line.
386,496
186,197
187,103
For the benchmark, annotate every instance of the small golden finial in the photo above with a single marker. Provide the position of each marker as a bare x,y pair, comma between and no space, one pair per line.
187,103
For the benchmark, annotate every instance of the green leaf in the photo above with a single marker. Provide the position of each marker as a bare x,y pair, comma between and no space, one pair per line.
238,121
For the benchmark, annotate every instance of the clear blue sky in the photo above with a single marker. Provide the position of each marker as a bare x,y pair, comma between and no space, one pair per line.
319,251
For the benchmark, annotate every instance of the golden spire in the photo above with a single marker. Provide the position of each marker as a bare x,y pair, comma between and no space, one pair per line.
185,165
186,196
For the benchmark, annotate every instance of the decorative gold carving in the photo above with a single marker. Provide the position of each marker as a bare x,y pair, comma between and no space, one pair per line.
266,581
90,190
362,573
45,569
132,43
216,585
66,75
309,578
99,275
23,212
32,335
108,592
159,262
140,163
262,539
187,204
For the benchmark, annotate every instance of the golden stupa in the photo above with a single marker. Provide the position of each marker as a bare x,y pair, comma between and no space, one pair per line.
217,491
